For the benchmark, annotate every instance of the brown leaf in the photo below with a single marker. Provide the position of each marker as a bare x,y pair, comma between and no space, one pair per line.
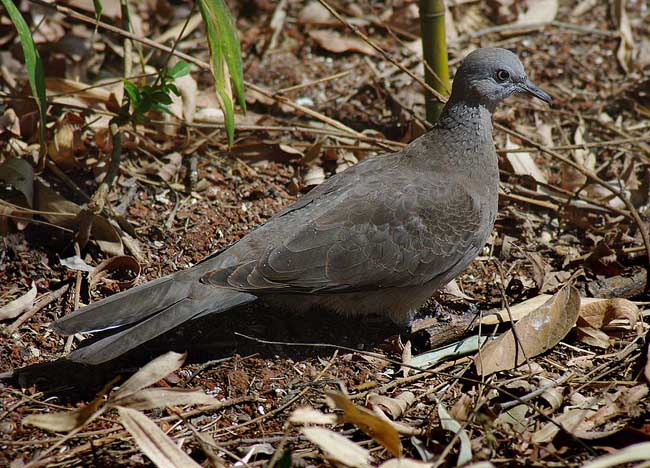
537,332
395,406
380,430
66,421
593,337
599,314
124,268
332,41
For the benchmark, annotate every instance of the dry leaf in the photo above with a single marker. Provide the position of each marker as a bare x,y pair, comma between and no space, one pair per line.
593,337
153,442
150,398
632,453
66,421
450,424
124,267
311,416
380,430
539,11
405,463
626,46
151,373
20,305
395,406
523,163
338,447
537,332
332,41
314,13
599,314
315,175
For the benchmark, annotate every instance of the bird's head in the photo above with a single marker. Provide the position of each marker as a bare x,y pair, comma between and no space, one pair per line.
488,76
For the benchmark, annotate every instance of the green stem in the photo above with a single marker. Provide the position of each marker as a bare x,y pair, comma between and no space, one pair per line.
434,50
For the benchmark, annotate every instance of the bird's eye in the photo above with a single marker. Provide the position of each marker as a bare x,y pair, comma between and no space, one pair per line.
503,75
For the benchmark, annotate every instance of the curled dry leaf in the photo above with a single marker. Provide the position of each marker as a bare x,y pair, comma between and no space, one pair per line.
332,41
536,333
123,271
601,313
20,305
338,447
380,430
394,406
593,337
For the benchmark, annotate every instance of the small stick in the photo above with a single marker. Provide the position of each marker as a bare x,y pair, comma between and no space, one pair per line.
43,301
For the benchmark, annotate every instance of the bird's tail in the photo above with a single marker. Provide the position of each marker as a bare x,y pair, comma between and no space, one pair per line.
147,311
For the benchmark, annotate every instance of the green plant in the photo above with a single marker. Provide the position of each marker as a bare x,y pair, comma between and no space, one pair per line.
157,96
34,67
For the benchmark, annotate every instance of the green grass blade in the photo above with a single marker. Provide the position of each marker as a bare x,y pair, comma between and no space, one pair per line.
99,9
224,51
33,64
231,49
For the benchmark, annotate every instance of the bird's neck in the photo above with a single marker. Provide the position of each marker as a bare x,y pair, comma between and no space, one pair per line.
460,116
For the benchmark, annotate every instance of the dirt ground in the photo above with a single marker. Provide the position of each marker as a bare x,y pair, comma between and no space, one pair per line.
181,193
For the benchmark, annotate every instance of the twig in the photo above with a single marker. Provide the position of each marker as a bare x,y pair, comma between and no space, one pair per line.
589,174
383,53
43,301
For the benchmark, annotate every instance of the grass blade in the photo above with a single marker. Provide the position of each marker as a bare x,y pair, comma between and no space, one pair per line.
33,64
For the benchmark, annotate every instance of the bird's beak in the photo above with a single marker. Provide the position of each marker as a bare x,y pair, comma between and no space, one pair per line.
530,88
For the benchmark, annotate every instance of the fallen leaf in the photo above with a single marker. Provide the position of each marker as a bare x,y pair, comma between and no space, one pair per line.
593,337
537,332
311,416
332,41
450,424
632,453
150,398
20,305
66,421
149,374
338,447
539,11
395,406
599,314
314,13
380,430
153,442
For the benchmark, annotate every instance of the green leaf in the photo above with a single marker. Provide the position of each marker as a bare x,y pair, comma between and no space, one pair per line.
99,9
231,49
132,91
33,64
182,68
224,51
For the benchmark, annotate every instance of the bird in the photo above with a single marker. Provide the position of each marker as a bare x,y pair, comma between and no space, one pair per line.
380,237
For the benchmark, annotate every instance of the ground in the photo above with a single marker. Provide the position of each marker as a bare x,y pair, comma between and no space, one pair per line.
182,193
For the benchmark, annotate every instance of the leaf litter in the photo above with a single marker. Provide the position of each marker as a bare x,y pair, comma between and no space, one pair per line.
567,373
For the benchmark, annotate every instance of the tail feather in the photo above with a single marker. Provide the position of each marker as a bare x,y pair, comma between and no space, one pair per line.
158,323
124,308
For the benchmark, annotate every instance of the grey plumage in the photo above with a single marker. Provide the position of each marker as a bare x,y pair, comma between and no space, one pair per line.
380,237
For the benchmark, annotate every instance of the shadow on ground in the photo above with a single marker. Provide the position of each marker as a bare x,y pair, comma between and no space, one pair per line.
214,337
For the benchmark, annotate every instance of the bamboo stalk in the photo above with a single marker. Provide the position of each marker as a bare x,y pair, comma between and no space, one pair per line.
434,51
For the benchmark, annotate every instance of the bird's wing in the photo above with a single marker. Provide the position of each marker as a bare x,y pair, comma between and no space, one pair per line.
365,232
